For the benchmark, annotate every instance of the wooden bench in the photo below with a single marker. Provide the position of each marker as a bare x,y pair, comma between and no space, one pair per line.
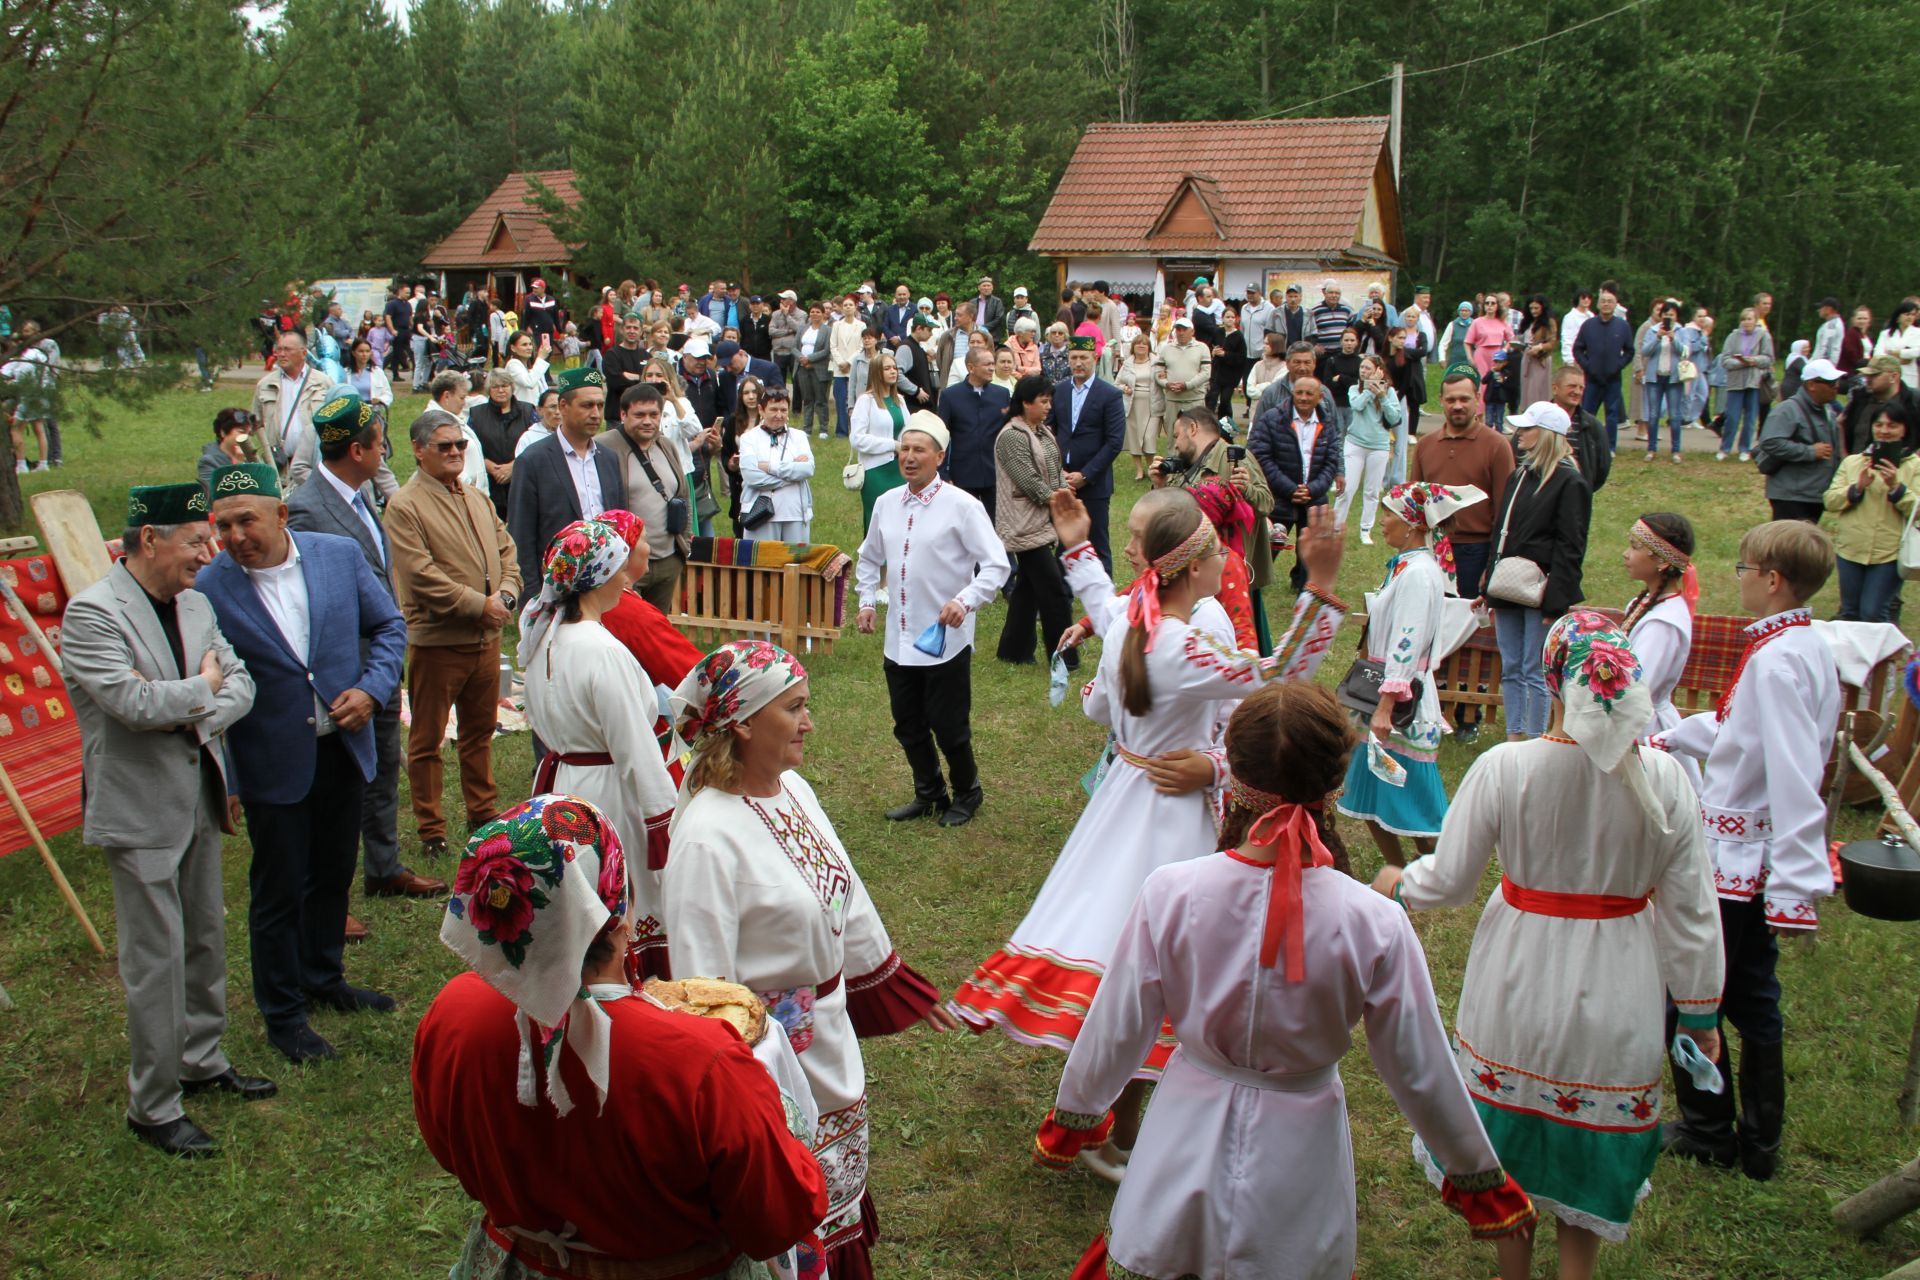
791,605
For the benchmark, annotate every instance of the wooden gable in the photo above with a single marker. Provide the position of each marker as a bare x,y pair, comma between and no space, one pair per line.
1193,211
502,241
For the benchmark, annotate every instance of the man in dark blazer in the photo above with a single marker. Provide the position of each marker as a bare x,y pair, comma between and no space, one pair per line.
734,364
974,410
1299,476
898,315
1089,419
989,312
298,609
337,498
565,477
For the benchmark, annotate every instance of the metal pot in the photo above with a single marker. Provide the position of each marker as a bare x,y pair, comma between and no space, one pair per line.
1881,878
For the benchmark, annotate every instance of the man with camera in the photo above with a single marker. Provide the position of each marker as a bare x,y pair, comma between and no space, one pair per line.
457,575
656,472
1201,452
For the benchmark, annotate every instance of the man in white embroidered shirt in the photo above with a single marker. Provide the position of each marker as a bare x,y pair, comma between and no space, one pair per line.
934,547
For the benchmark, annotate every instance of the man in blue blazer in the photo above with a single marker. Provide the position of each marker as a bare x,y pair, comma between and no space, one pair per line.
974,410
297,609
735,363
1089,420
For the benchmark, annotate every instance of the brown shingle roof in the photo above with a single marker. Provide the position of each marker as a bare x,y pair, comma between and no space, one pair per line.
1272,186
526,226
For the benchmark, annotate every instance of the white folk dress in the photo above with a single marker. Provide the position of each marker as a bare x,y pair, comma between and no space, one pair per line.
1039,986
1561,1029
1403,625
586,695
1244,1167
1662,639
1764,754
761,892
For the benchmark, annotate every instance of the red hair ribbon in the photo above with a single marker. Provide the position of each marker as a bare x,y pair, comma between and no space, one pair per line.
1143,603
1291,831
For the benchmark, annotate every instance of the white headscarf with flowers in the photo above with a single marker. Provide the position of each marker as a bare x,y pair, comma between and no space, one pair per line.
724,688
584,555
533,890
1592,669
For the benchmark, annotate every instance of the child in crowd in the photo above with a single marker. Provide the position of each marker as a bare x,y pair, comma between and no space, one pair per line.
1499,378
572,350
1765,749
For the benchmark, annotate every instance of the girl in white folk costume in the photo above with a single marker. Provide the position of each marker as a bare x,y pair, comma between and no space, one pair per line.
1159,688
1605,907
593,706
1405,625
1659,621
761,892
1245,1165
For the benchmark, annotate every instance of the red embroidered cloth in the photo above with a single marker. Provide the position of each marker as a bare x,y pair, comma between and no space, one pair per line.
39,738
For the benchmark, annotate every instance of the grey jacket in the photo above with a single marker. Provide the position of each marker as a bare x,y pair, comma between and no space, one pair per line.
1793,428
785,330
130,697
1746,377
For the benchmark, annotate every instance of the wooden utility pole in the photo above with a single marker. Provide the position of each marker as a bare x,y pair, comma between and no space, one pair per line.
1393,118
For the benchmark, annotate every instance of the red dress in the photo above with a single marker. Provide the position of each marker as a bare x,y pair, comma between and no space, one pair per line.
1236,597
690,1162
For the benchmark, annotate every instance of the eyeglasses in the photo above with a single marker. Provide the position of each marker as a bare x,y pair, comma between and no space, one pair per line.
1741,570
450,446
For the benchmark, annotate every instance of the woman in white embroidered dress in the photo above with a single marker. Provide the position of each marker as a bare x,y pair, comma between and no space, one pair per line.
1606,904
1659,621
760,891
1245,1164
1160,686
593,706
1406,624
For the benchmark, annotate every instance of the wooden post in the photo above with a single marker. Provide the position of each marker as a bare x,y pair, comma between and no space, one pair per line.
46,856
1885,1202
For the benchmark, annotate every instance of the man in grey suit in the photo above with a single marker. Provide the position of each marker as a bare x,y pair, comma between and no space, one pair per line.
565,477
154,686
338,498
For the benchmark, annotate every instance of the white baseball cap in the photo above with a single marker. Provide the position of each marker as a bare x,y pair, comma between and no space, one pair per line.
790,295
697,348
1544,414
1020,291
1182,322
867,289
1820,371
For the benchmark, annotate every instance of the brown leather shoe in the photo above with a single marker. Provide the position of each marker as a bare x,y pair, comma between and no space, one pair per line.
435,847
357,932
405,885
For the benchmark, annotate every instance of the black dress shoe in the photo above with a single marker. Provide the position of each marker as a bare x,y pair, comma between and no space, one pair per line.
302,1045
961,811
348,999
246,1088
180,1138
916,808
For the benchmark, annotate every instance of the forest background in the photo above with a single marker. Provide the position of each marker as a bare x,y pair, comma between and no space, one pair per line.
191,157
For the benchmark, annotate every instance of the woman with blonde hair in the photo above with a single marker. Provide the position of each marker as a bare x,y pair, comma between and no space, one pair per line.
1146,403
1168,668
760,889
1053,354
874,425
1163,325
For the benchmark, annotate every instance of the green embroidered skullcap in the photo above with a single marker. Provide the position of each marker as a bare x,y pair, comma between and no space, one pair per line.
248,479
571,380
344,416
165,504
1080,342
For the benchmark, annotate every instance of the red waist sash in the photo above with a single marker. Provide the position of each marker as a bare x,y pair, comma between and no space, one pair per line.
1571,906
550,766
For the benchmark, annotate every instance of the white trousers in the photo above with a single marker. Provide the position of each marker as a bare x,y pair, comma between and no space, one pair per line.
1366,469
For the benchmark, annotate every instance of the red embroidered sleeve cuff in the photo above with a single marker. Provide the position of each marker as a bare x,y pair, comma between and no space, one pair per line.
1492,1203
891,998
657,840
1079,551
1785,912
1064,1134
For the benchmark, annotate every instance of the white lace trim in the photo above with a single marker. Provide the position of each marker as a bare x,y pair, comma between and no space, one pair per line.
1611,1232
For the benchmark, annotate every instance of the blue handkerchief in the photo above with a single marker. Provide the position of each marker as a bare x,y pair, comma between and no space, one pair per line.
1057,682
933,641
1705,1074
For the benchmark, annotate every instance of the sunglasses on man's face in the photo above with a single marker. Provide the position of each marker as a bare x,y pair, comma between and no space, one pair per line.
241,418
450,446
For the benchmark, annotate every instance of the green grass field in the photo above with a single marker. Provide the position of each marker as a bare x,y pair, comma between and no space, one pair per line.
330,1178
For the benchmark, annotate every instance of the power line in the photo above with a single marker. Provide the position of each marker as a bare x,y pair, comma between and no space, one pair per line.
1465,62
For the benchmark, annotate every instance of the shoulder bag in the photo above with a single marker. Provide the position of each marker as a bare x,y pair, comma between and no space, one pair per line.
1359,692
1515,580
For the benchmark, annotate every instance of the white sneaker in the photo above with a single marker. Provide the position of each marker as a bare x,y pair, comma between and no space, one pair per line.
1366,539
1106,1162
1676,459
1721,456
40,465
821,434
1746,457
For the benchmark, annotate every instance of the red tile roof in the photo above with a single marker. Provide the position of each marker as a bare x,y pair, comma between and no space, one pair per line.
1269,186
526,226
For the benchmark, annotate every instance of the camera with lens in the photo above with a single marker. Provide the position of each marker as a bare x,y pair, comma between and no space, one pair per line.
1167,467
1236,452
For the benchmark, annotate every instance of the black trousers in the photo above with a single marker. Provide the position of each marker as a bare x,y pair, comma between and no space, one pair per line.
1787,509
934,705
988,497
303,861
1751,1000
1097,511
1039,590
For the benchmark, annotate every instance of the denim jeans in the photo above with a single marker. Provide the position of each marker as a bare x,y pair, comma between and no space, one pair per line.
422,366
1523,681
1867,591
1470,566
1608,394
840,403
1743,407
1665,400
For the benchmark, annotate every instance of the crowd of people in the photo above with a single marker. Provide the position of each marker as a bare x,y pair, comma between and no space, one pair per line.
1200,930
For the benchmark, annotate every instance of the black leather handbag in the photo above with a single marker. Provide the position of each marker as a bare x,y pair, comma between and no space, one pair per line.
1359,692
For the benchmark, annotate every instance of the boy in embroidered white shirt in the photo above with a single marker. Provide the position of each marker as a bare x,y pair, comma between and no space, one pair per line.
1764,748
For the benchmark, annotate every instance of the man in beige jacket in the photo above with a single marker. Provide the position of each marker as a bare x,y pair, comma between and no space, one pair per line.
457,575
1183,368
